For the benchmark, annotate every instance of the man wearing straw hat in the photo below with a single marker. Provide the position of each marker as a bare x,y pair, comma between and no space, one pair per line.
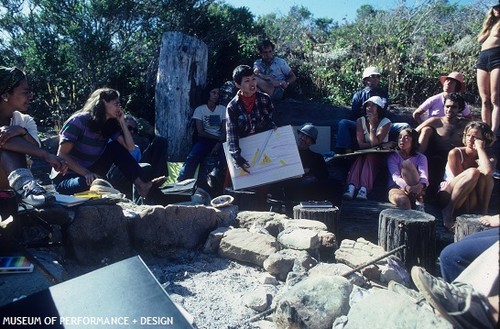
434,105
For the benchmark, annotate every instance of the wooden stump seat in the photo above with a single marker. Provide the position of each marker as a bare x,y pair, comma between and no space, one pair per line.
467,224
329,216
416,230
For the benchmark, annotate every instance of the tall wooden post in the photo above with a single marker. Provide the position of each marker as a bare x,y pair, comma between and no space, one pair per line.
182,73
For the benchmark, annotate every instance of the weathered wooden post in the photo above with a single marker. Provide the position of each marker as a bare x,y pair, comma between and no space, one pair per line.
182,73
416,230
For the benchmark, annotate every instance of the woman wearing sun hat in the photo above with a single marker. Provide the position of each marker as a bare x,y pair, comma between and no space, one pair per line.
371,130
434,105
488,68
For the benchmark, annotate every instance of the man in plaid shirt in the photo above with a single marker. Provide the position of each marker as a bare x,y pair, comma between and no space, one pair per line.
248,113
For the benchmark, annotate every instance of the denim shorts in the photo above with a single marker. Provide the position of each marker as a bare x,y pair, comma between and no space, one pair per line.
489,59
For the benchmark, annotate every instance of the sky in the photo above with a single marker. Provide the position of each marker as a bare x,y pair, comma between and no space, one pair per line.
338,10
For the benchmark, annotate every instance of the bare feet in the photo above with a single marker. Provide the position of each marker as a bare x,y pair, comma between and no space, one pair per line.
143,188
493,221
448,220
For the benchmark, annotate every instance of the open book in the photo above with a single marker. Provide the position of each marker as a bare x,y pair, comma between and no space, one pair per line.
69,200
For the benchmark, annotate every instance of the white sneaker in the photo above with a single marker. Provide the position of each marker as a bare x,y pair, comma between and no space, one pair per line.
419,206
362,194
35,195
349,193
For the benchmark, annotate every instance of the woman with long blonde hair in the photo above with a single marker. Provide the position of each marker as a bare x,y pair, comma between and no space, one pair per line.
488,68
468,179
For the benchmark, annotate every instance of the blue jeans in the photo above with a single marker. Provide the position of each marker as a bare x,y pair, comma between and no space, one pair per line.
201,148
114,153
346,134
455,257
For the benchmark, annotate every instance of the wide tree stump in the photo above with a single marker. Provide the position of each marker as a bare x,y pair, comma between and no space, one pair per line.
467,224
414,229
329,216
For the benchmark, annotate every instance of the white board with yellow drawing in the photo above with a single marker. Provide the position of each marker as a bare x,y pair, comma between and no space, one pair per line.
273,156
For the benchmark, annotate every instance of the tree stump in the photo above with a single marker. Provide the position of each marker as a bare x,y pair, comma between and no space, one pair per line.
416,230
182,73
468,224
329,216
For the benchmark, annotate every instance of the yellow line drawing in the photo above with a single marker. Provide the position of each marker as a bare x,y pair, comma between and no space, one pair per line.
265,160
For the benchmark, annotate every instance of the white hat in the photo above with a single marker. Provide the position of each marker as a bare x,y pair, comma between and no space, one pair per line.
375,100
372,70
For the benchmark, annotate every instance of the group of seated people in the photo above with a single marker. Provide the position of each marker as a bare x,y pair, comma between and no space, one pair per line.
100,141
446,156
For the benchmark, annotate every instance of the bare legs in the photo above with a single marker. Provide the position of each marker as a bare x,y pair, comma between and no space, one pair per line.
470,189
143,188
489,89
399,197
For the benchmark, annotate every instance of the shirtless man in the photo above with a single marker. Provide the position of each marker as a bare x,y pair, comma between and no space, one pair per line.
273,73
443,134
488,68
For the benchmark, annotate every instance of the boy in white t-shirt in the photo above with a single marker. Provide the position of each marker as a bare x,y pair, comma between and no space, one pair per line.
210,124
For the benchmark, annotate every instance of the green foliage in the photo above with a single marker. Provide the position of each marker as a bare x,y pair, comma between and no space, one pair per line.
71,47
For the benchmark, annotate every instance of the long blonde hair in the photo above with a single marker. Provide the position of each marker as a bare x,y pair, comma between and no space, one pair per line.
488,23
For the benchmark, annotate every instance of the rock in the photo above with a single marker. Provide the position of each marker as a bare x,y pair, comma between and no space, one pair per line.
227,216
258,299
315,302
270,221
327,246
383,309
247,247
99,234
268,279
306,224
300,239
359,252
355,253
394,270
282,262
213,241
158,229
338,270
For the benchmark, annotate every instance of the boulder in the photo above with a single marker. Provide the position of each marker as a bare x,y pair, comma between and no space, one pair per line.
282,262
158,229
272,222
314,302
383,309
338,270
248,247
99,234
300,239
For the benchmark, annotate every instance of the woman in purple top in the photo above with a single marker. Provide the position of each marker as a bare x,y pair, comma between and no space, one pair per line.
94,138
408,172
